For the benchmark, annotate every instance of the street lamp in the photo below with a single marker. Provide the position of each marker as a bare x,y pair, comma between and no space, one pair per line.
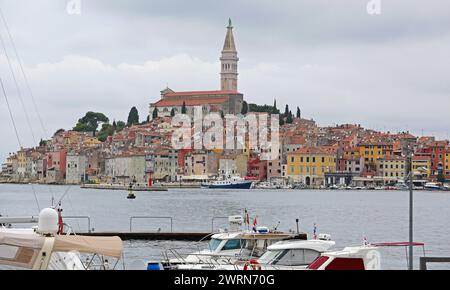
411,210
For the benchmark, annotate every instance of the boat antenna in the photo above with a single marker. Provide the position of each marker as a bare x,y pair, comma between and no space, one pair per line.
17,135
276,227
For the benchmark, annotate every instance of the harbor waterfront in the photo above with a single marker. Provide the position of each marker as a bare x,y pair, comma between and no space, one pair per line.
349,216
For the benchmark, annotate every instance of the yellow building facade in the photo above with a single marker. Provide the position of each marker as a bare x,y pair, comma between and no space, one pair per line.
421,166
447,163
91,142
309,165
392,168
371,152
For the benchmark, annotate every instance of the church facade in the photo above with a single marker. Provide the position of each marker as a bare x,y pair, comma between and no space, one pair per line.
227,100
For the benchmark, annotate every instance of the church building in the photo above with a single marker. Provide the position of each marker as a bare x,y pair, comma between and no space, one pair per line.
227,100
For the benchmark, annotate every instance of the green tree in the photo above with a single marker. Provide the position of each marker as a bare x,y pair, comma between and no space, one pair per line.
275,106
59,131
120,126
172,112
183,108
90,122
133,117
42,143
107,130
286,111
244,110
289,118
299,113
262,109
155,113
281,120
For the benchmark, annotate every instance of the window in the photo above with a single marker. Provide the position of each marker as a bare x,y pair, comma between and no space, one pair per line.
213,244
232,245
296,257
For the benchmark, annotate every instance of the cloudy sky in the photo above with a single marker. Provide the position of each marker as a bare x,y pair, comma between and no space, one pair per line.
338,63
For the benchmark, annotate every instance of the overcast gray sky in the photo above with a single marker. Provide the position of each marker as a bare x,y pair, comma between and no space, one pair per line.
334,60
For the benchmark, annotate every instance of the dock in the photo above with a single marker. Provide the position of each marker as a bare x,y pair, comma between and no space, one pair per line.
152,236
123,187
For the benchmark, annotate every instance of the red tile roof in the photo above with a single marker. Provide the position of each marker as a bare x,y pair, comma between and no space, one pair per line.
316,150
190,102
200,93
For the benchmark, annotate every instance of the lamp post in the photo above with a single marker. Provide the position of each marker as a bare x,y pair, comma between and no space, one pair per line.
411,210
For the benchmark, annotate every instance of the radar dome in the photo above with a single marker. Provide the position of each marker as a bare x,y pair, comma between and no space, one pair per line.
48,222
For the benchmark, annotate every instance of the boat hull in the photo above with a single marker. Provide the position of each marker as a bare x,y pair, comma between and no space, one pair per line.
239,185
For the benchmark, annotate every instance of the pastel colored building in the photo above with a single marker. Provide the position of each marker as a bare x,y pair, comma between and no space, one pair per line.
309,165
421,166
56,166
162,165
372,151
75,168
447,164
391,168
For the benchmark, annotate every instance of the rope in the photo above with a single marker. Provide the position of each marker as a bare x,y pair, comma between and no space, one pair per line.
19,92
17,136
23,73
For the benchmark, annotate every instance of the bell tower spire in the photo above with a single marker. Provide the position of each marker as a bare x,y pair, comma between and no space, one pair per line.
229,61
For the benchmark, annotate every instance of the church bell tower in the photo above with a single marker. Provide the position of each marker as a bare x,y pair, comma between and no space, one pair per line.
229,62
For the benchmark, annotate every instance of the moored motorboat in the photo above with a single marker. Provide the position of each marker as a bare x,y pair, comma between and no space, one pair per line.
432,186
229,183
228,247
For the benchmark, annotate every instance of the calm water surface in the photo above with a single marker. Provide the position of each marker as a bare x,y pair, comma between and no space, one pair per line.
349,216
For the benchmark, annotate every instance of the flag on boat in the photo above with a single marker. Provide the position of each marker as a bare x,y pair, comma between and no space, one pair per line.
315,232
246,217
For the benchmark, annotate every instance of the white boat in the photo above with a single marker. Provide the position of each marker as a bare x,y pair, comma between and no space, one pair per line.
41,248
267,185
283,255
304,255
432,186
229,247
350,258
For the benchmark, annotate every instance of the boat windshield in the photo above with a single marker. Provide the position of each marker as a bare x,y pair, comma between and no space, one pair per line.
213,244
269,257
233,245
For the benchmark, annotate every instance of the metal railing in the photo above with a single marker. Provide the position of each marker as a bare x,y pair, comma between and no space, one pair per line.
151,217
88,218
425,260
214,219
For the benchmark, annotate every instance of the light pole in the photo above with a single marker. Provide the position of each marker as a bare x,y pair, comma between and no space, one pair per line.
411,210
